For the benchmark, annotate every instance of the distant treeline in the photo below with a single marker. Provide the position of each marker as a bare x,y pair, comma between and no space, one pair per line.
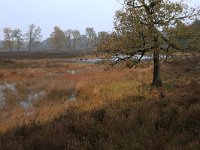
16,41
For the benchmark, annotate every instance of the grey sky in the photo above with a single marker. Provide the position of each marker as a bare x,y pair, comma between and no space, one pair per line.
75,14
67,14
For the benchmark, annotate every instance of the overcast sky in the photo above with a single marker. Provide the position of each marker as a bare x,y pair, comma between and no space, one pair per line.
67,14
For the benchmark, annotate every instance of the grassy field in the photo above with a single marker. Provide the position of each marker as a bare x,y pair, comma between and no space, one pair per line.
51,104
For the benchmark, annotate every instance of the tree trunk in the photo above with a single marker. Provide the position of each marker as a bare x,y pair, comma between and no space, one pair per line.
18,47
30,45
157,82
74,44
69,42
10,47
30,41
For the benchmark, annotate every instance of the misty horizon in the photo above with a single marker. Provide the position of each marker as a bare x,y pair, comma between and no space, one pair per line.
65,14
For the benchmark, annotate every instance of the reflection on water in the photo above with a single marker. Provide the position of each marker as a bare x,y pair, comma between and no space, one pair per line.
72,72
3,87
72,97
27,104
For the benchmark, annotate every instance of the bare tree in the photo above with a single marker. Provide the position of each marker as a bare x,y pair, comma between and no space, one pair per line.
75,38
69,35
18,38
8,40
91,35
33,35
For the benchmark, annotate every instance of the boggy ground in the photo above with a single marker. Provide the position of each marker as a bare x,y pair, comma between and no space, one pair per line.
52,104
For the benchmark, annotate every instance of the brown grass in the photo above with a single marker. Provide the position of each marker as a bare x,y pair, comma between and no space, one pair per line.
115,109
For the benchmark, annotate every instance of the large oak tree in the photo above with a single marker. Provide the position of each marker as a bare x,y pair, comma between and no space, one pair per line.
144,27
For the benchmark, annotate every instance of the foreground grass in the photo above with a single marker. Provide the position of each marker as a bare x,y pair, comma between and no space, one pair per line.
114,110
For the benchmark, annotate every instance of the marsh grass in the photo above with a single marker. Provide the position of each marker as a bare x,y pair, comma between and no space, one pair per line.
115,109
